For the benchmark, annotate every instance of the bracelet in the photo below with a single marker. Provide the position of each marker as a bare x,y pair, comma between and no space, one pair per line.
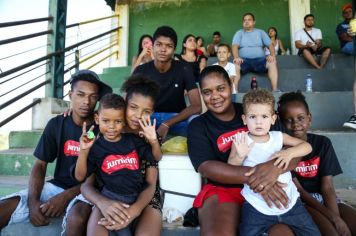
164,124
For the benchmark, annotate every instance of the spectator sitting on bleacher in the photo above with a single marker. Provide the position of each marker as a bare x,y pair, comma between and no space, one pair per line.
278,45
308,41
343,31
213,46
224,53
248,51
314,173
145,53
189,55
59,142
201,50
174,78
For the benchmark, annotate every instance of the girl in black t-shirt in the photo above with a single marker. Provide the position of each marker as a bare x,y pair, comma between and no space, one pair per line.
314,173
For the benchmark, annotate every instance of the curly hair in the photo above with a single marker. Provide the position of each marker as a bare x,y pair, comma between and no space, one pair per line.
258,96
288,98
140,84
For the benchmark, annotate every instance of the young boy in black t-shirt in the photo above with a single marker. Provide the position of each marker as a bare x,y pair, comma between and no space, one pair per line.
116,157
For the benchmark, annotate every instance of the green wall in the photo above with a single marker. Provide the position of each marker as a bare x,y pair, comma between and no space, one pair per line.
203,17
327,16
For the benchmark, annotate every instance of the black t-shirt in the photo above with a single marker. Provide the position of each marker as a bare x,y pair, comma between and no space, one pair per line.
172,84
209,139
60,140
322,161
119,163
195,65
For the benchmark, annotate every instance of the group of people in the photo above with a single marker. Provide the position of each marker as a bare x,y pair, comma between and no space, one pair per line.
265,174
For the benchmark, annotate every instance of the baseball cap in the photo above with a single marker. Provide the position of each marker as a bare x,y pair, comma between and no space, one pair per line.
92,77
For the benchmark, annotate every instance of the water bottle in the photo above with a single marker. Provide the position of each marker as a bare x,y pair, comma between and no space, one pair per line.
253,83
309,83
287,52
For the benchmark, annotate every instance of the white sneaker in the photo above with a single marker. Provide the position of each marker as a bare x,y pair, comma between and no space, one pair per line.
351,123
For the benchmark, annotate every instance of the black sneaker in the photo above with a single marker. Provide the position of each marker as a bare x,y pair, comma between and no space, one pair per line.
351,123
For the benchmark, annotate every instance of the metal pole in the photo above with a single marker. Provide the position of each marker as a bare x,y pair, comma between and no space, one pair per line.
56,41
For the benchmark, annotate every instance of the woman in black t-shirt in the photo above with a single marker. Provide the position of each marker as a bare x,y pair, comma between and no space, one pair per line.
209,143
189,55
314,173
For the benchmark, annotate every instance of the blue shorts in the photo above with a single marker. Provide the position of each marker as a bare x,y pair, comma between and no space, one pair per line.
257,65
22,213
178,129
254,223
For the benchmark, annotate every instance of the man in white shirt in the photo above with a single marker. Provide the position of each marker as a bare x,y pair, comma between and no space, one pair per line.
308,41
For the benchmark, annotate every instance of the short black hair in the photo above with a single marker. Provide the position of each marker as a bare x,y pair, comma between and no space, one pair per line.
112,101
214,69
289,98
166,31
225,45
216,33
140,84
248,14
308,15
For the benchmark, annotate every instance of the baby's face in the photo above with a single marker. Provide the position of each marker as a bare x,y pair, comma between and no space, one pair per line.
259,118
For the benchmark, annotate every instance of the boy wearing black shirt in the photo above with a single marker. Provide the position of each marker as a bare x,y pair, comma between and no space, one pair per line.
59,142
174,77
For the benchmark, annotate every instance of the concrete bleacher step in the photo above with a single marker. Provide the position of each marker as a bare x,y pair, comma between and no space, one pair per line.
19,161
329,109
294,79
24,139
336,61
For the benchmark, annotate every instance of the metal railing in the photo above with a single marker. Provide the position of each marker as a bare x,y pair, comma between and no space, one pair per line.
17,74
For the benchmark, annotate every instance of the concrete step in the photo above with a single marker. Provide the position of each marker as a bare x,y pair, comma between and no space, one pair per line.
24,139
294,79
19,161
329,109
336,61
113,80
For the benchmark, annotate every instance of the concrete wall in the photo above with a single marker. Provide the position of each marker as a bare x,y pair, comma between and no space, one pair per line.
203,17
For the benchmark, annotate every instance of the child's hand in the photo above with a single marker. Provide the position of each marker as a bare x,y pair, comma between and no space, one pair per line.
148,129
240,141
85,140
283,159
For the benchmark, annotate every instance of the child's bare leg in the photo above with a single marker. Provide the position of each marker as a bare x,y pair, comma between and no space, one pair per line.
93,228
150,222
348,214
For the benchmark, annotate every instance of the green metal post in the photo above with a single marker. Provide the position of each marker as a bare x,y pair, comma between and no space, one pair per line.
58,10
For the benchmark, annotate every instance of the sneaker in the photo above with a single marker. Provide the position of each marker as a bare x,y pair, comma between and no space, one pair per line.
351,123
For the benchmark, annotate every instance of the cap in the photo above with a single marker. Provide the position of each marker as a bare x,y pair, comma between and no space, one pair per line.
346,6
92,77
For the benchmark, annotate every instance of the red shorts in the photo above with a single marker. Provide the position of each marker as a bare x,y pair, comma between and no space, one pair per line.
224,195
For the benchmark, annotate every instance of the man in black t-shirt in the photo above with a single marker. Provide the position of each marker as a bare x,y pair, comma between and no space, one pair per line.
174,77
59,141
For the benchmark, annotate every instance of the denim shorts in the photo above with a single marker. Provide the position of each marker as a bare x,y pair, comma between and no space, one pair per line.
21,213
254,223
257,65
178,129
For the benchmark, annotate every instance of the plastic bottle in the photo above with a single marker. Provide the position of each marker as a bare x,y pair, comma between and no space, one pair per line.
253,83
309,83
287,52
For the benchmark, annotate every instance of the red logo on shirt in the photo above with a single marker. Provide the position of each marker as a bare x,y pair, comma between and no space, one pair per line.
308,168
113,163
71,148
224,140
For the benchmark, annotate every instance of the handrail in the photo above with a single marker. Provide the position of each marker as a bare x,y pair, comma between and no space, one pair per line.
13,116
89,57
18,68
5,104
90,21
23,37
23,22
